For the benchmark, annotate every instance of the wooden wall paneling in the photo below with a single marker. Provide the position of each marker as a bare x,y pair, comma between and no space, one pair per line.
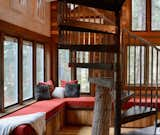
20,71
1,72
79,117
55,123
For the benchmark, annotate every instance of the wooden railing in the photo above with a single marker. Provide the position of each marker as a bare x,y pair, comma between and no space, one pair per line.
141,70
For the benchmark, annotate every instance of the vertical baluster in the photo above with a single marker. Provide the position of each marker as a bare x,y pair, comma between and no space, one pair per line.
146,72
66,11
151,96
157,77
140,94
135,71
129,53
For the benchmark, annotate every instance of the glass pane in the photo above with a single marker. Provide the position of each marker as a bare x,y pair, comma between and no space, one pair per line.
155,15
64,72
82,77
10,71
153,66
40,63
135,69
27,70
139,15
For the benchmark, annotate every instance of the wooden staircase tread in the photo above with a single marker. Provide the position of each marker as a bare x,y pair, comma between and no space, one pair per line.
109,67
74,25
125,96
104,82
137,112
144,131
104,4
94,48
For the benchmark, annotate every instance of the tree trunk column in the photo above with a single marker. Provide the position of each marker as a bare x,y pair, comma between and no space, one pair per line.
102,111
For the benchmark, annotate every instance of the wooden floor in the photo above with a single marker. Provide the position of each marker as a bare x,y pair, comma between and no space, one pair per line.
87,131
84,131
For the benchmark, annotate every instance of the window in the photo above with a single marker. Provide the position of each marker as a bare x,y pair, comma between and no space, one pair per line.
40,63
10,71
83,73
27,70
138,15
135,69
155,25
64,72
82,77
153,65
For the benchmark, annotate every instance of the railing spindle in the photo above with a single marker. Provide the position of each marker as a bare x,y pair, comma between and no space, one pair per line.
140,75
135,71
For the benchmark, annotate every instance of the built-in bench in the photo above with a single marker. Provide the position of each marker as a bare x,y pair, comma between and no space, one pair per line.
72,111
57,112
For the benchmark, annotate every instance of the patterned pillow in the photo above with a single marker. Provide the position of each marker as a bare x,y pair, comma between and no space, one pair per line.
50,83
63,82
72,90
42,92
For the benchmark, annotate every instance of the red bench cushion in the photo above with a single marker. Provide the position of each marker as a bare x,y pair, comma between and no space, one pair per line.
50,107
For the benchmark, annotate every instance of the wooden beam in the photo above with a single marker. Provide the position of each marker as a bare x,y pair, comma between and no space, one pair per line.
94,48
14,30
101,66
88,27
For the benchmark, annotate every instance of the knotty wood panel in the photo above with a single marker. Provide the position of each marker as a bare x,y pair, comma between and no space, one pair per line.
79,117
55,123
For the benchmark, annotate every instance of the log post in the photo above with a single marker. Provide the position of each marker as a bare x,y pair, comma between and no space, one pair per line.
102,108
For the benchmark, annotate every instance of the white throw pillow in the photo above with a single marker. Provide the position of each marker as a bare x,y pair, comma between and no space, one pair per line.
58,92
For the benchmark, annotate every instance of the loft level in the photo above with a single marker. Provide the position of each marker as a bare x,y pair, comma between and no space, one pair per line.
93,48
110,67
111,5
80,26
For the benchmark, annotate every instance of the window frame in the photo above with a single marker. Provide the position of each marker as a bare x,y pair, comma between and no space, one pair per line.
151,19
146,24
32,69
42,44
20,70
3,40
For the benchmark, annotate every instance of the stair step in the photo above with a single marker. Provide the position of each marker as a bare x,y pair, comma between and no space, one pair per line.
93,48
137,112
110,67
80,26
103,4
105,82
125,96
144,131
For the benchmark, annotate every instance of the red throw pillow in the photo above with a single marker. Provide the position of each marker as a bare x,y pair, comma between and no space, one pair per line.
50,83
63,82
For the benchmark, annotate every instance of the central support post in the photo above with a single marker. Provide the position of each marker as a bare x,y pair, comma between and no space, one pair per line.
102,108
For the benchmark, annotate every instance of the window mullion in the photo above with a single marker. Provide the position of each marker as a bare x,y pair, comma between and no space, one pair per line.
1,72
148,15
20,71
34,64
